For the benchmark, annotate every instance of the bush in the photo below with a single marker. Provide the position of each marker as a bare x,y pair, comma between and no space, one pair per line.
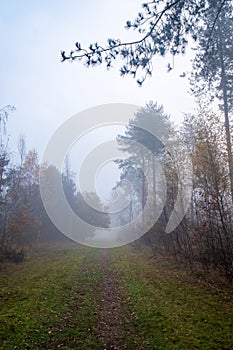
15,255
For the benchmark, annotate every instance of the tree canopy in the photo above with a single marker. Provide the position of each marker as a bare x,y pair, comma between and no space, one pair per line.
213,67
213,64
163,27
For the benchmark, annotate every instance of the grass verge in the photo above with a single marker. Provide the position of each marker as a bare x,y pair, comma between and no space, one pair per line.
172,313
51,302
47,302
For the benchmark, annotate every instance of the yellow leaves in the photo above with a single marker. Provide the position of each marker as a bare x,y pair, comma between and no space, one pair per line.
20,221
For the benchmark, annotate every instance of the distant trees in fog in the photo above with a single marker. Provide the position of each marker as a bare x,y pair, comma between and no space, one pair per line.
205,234
23,219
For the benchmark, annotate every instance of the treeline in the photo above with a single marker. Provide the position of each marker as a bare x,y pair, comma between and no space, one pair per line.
204,236
23,220
157,152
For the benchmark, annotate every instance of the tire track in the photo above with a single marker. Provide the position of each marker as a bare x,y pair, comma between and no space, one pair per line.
113,316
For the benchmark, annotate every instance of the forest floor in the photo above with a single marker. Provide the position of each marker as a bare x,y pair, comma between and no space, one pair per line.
72,297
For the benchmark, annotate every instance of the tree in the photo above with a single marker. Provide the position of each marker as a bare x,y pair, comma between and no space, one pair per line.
96,217
144,147
213,65
4,163
4,174
22,192
4,113
210,218
49,179
21,148
163,26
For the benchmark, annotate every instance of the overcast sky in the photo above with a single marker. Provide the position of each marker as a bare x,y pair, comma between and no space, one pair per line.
46,92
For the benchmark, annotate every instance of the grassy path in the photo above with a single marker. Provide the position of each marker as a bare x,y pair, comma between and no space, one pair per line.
174,312
110,327
82,298
47,303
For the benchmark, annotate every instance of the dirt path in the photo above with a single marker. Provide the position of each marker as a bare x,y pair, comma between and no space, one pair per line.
89,299
114,316
102,303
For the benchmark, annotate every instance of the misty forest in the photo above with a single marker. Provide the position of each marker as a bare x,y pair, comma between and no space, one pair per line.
170,286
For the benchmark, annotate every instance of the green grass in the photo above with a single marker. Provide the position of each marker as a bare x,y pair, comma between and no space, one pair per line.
172,313
51,301
48,300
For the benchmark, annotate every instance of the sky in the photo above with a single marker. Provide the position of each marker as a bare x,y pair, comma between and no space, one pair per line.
46,92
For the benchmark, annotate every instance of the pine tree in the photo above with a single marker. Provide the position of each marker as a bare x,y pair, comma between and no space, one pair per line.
163,27
214,65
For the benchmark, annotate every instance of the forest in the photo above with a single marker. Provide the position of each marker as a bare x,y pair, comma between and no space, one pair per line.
170,287
204,236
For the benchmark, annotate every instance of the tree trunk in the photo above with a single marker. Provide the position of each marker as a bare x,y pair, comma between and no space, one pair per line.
226,110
